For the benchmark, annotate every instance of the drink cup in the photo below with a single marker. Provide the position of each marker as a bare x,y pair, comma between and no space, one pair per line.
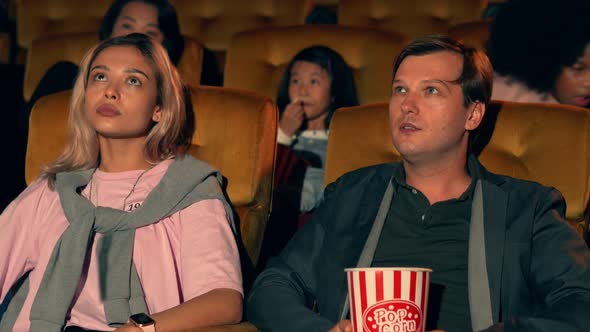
388,299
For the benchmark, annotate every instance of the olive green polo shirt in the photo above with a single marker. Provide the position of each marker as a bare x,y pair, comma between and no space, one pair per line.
417,234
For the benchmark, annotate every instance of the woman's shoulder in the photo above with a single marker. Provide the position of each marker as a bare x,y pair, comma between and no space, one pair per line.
509,89
38,189
36,197
211,207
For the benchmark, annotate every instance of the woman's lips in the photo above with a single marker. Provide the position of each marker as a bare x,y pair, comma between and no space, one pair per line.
107,110
582,100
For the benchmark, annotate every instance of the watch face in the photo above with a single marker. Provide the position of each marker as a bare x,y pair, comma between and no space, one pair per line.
142,319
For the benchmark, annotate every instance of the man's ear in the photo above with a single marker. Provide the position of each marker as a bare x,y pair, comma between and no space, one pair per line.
476,112
157,116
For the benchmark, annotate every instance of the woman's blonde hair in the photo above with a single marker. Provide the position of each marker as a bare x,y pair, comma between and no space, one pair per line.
166,138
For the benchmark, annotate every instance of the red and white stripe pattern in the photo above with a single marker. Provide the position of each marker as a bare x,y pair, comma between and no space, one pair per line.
369,286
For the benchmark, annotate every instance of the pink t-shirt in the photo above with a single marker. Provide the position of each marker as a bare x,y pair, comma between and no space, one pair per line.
177,258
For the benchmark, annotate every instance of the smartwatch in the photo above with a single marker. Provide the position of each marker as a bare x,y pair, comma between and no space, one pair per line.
143,321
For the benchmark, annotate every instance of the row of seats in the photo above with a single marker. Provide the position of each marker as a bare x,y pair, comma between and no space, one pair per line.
236,132
414,18
256,59
213,23
58,30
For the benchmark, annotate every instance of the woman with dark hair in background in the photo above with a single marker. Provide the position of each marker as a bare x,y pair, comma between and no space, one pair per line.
155,18
316,83
540,50
127,16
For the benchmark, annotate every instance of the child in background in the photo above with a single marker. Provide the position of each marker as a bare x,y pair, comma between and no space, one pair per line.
316,83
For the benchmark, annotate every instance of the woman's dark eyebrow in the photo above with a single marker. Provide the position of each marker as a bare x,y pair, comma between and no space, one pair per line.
129,18
128,70
137,71
103,67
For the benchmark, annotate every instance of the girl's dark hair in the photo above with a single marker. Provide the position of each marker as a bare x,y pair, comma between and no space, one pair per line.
533,40
342,88
167,22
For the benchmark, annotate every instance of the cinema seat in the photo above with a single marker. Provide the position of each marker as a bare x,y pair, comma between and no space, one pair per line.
411,17
257,59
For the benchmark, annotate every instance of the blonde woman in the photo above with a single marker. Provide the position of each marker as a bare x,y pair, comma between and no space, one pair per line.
123,231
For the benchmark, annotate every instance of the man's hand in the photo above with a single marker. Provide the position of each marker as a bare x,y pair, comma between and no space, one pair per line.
292,117
342,326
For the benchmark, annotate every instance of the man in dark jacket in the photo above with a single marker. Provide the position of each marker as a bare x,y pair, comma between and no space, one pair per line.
502,254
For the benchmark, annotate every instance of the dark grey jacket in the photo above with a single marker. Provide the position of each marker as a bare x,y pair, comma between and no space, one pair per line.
538,267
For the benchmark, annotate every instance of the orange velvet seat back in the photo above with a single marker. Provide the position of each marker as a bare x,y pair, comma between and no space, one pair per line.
257,59
214,23
546,143
46,51
211,22
474,33
326,3
412,17
41,18
235,132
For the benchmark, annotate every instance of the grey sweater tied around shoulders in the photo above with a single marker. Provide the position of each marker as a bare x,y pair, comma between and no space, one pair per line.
186,181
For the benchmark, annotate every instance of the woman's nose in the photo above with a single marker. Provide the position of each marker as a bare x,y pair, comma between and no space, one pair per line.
111,92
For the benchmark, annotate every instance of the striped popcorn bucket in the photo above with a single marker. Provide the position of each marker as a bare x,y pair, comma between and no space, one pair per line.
388,299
